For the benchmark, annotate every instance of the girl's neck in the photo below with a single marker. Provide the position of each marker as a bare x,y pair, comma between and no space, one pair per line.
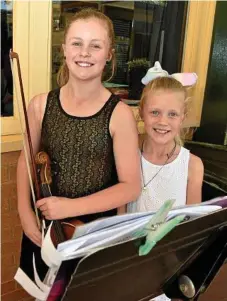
81,91
158,152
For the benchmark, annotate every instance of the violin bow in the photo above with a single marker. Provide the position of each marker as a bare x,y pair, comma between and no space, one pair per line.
14,55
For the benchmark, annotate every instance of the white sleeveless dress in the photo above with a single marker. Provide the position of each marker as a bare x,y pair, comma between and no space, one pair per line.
170,183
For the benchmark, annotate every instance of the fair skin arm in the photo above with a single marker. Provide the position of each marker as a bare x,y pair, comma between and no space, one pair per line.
195,180
27,216
125,141
123,209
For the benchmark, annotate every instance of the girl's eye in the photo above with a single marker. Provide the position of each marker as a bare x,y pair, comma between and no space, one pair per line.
95,46
76,44
154,113
173,114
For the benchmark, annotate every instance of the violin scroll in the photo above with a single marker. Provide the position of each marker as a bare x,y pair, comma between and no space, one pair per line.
43,162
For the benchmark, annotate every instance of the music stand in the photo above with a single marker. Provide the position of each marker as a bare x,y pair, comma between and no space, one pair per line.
118,273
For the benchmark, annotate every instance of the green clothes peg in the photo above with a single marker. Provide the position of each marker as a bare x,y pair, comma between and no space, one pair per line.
158,227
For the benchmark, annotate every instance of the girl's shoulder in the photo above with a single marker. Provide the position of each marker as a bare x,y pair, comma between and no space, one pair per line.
38,105
122,120
195,167
122,114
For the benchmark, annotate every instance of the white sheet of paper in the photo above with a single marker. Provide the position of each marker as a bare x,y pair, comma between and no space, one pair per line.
30,286
49,253
108,222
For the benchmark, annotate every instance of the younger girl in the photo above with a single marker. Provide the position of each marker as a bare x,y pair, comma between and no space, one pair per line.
168,169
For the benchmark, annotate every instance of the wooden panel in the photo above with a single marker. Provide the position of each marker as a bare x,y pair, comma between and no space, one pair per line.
213,127
196,53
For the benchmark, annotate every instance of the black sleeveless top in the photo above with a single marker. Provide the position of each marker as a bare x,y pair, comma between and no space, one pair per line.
80,150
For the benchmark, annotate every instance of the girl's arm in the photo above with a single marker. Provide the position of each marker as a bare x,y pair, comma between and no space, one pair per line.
27,216
122,210
195,180
125,142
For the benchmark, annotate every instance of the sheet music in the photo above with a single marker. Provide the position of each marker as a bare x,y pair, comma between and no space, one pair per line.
108,222
109,231
119,219
193,211
102,239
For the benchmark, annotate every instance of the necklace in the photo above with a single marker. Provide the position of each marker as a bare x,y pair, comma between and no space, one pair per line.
155,175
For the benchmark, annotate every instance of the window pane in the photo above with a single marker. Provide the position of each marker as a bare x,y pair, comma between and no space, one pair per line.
6,45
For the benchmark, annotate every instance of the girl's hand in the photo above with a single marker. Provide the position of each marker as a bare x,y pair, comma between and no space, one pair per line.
30,227
54,207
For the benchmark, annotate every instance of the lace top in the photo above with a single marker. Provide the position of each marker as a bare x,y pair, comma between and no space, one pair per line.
170,183
80,150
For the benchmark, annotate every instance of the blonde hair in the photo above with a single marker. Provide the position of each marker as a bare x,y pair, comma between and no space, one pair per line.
166,84
85,14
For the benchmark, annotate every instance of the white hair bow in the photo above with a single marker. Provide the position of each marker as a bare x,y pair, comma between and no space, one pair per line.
186,79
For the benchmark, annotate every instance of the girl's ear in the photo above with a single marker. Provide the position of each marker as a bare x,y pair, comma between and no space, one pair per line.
111,53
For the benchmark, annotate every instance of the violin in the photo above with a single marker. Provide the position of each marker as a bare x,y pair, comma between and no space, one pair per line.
40,175
60,231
